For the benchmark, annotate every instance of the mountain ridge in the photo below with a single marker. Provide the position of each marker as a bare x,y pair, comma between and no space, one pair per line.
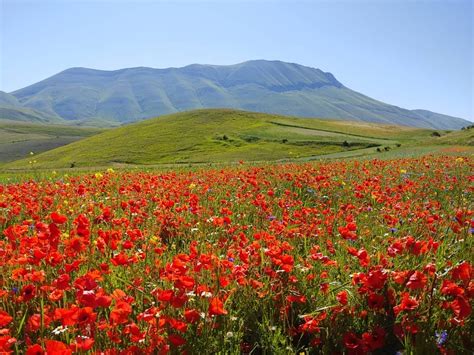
131,94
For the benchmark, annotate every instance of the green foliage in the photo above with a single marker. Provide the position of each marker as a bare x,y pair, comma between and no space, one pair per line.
221,135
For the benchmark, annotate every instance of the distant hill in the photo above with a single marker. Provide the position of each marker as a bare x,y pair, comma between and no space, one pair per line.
18,139
224,135
81,94
8,100
12,109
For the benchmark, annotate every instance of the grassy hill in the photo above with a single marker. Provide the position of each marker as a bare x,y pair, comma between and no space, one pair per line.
18,139
462,137
223,135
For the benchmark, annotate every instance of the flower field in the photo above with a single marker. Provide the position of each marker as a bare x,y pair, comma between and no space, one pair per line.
348,257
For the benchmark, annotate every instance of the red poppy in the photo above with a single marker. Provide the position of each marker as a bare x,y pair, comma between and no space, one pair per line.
28,292
374,340
376,279
462,272
58,218
461,307
120,313
417,281
351,341
407,304
85,316
375,301
83,343
191,315
451,288
34,349
342,297
176,339
6,342
57,347
5,319
216,307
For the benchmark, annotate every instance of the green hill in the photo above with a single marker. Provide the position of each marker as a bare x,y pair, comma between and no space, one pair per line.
132,94
11,109
223,135
462,137
18,139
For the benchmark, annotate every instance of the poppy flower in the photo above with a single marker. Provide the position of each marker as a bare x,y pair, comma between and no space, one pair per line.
462,272
417,281
351,341
6,342
176,339
461,307
407,304
374,340
57,347
83,343
216,307
28,292
58,218
34,349
191,315
342,297
120,313
5,319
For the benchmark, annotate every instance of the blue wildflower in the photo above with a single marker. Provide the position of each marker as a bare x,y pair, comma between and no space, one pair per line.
441,337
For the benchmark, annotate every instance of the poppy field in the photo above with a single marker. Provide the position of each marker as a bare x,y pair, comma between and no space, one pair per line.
343,257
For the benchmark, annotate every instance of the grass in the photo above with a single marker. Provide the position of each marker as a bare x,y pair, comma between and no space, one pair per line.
463,137
18,139
224,135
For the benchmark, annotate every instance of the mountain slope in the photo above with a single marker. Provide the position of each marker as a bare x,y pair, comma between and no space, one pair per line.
264,86
12,109
219,135
8,100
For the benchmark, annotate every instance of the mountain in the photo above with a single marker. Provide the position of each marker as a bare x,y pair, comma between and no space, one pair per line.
8,100
225,135
81,94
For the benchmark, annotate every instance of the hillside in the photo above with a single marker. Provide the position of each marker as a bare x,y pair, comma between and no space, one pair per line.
222,136
11,109
462,137
127,95
18,139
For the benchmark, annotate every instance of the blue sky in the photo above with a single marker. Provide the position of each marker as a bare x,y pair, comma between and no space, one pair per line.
414,54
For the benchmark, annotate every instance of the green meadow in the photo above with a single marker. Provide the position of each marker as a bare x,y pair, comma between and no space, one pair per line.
213,136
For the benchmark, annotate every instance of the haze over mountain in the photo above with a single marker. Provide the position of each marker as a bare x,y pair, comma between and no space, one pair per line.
88,96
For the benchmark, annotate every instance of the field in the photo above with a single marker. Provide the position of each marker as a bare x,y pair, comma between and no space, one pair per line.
18,139
351,256
221,136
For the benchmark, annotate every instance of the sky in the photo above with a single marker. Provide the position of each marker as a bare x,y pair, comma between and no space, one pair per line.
413,54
